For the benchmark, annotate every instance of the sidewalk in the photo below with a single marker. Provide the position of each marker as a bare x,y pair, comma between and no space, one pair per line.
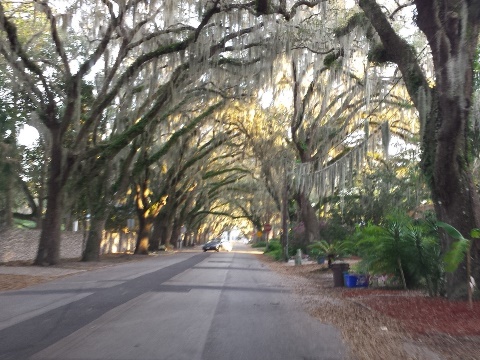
67,266
37,270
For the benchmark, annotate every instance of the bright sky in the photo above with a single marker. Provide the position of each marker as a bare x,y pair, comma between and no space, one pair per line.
28,135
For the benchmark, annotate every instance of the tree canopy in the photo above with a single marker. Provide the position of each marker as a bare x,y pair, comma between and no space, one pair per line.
204,115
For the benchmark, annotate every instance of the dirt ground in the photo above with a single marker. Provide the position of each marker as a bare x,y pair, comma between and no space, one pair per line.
16,282
376,324
387,324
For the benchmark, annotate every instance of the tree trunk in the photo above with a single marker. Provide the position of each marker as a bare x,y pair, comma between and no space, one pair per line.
94,239
67,219
144,229
7,167
285,217
8,218
309,218
453,38
98,199
49,245
50,237
402,274
176,235
167,235
154,242
161,230
41,190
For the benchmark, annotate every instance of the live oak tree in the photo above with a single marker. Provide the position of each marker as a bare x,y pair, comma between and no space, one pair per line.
330,103
215,183
443,101
444,104
321,119
263,137
56,95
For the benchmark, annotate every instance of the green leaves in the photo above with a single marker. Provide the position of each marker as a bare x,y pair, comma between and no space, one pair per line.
450,230
475,233
454,257
323,247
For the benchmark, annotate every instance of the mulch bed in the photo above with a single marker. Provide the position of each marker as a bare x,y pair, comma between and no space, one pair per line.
420,314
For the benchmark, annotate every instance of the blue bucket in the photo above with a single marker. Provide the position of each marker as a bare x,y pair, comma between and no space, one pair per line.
362,281
350,280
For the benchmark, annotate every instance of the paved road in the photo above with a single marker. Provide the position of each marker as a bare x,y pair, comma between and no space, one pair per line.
191,305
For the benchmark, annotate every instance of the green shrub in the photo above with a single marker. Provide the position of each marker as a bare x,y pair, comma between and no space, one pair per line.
259,244
274,245
403,247
274,250
276,254
28,224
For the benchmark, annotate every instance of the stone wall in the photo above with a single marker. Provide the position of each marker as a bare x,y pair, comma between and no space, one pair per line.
21,244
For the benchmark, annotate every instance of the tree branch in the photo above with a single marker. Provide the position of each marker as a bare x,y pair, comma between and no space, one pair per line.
397,49
56,38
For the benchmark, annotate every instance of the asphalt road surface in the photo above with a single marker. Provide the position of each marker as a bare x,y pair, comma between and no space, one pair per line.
190,305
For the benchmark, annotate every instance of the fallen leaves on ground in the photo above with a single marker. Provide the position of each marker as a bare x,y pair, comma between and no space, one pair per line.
16,282
387,324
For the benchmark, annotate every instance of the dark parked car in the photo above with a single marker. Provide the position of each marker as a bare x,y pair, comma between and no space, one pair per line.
217,245
212,245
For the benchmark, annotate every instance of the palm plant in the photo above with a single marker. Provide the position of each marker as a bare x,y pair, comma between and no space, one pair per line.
459,252
392,246
404,247
329,250
425,256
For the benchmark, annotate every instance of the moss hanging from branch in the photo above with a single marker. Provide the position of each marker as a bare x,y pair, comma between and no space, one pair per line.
330,59
357,20
262,6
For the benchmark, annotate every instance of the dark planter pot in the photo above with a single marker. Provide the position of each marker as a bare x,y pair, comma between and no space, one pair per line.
338,270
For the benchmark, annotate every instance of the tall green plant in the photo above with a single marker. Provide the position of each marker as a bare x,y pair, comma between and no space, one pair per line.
460,250
384,248
456,255
425,255
403,247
